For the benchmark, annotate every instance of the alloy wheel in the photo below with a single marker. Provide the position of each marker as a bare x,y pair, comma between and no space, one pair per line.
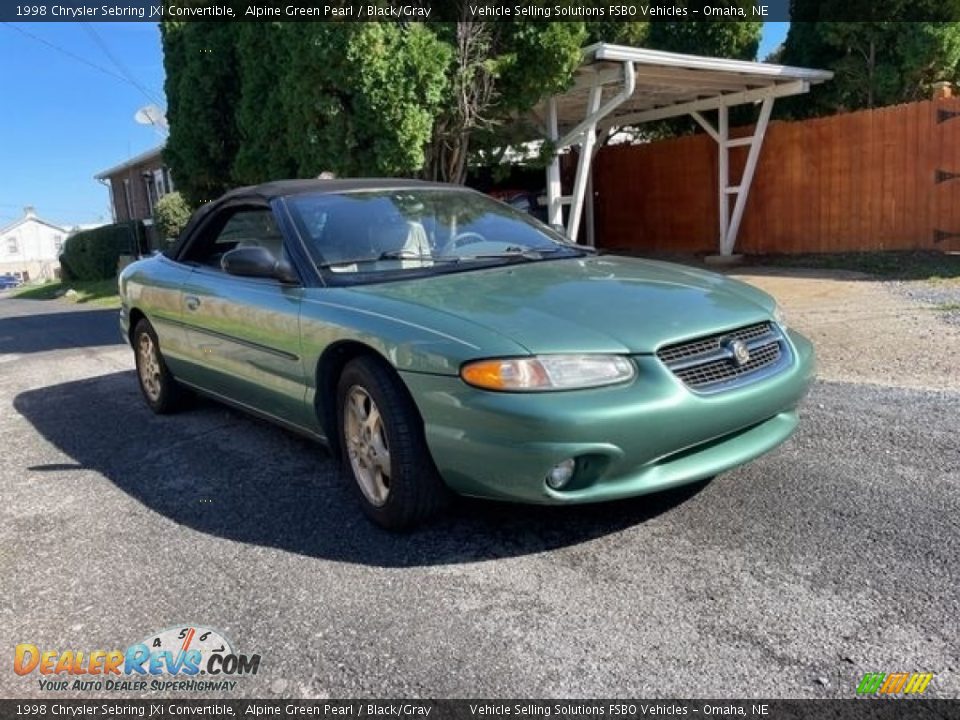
149,367
367,446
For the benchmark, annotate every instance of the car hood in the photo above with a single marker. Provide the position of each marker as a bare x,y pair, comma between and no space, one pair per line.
603,304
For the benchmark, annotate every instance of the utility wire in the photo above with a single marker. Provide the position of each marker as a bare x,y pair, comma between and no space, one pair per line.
92,32
68,53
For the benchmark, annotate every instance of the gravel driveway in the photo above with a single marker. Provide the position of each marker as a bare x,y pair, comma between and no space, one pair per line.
836,555
942,297
867,330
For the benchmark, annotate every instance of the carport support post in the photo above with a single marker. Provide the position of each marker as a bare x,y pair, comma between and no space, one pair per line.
554,207
586,134
756,142
723,174
588,213
583,165
730,225
602,138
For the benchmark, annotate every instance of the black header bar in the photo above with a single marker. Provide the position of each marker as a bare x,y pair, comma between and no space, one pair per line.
447,10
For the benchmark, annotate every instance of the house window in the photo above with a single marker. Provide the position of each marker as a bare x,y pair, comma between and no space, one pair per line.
58,244
13,247
158,181
151,190
127,198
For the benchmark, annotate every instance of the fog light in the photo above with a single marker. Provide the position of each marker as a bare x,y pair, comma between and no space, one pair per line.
561,473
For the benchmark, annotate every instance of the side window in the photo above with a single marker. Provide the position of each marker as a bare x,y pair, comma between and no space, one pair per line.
243,228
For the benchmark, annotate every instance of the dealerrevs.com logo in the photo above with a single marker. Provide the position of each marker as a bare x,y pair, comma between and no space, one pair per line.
878,683
189,657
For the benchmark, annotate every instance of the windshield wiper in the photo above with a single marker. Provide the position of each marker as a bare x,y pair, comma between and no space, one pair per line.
518,253
390,255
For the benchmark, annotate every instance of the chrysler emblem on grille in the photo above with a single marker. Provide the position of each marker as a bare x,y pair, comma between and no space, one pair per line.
741,353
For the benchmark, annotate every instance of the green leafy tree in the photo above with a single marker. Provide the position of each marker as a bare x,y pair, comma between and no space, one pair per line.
736,40
497,72
883,59
170,216
202,88
263,151
618,32
249,102
361,98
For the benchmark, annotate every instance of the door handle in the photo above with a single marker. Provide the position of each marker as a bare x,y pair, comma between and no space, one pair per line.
192,302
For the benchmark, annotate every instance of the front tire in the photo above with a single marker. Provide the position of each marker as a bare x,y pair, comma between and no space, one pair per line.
384,454
160,389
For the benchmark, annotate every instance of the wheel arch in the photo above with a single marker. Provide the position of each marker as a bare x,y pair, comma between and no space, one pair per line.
136,315
329,368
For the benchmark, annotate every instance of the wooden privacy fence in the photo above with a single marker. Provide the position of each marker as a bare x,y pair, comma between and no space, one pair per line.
884,179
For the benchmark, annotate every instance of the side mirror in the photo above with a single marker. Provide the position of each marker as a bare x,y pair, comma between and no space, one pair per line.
257,262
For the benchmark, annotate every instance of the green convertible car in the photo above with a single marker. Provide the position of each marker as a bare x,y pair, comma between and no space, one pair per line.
440,341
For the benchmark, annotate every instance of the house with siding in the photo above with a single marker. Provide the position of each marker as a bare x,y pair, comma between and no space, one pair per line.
30,247
137,184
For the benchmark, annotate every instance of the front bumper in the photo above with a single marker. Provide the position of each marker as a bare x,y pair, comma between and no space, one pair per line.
648,435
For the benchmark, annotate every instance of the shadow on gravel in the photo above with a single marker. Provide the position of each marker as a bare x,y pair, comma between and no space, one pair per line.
219,472
47,331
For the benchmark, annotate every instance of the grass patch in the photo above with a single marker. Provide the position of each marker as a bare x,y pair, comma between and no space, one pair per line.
97,292
946,307
906,265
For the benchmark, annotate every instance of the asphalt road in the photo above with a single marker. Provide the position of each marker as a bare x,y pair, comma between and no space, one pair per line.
836,555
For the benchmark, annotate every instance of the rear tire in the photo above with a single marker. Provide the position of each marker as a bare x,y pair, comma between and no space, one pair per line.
384,453
160,389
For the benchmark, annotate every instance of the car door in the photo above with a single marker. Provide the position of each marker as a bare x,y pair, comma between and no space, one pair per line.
243,333
159,294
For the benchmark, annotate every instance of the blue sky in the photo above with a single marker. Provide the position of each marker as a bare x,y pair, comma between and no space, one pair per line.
64,121
774,33
69,111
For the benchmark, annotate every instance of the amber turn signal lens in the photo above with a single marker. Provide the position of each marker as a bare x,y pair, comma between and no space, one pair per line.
515,374
547,372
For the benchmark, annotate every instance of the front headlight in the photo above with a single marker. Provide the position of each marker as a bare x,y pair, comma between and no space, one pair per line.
548,372
780,317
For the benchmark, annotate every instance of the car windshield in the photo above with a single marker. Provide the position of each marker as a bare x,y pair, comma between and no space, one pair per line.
366,235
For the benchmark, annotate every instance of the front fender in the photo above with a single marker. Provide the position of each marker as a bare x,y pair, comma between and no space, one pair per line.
410,337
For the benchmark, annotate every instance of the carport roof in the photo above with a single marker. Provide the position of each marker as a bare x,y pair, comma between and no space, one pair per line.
618,86
671,84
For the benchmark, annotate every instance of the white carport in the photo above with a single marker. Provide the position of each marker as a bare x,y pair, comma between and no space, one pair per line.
618,86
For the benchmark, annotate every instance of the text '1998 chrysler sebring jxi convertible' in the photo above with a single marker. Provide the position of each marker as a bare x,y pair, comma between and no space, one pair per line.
442,342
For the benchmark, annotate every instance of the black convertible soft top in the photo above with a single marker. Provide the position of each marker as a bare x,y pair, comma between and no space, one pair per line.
280,188
265,192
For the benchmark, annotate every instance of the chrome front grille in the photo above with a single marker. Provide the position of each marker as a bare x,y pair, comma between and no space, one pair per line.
709,364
